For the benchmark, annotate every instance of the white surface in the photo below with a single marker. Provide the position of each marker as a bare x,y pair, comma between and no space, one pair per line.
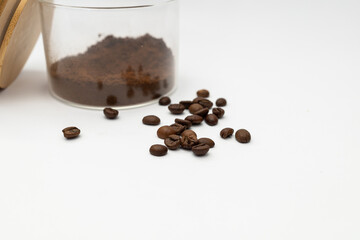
290,72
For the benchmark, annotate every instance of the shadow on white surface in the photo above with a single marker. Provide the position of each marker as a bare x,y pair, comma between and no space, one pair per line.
29,85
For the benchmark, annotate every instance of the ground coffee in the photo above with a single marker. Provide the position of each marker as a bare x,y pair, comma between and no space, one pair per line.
115,72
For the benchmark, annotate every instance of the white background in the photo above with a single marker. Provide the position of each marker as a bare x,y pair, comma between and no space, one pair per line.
290,72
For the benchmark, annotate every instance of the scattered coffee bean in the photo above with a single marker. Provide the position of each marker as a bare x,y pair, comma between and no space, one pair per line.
195,107
219,112
206,103
172,142
189,133
242,136
188,141
211,119
197,100
221,102
207,141
178,128
71,132
185,123
226,132
164,101
151,120
200,149
158,150
203,93
165,131
194,119
176,108
186,104
202,112
110,113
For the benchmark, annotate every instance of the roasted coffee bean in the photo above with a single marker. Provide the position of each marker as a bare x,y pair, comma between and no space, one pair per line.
71,132
165,131
226,132
211,119
197,100
194,119
172,142
243,136
158,150
188,141
178,128
110,113
207,141
202,112
176,108
203,93
186,104
195,107
206,103
219,112
185,123
111,100
151,120
164,101
221,102
189,133
200,149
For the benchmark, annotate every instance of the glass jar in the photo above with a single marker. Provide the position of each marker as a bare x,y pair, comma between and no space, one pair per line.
120,53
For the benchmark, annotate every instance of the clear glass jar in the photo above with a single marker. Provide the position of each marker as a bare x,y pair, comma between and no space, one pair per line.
120,53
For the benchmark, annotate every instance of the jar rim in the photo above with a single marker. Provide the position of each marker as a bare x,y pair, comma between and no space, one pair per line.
105,4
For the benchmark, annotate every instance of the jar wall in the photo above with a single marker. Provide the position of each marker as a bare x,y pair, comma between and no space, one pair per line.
110,55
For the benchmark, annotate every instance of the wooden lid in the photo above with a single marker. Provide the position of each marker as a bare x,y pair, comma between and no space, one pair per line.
19,40
7,10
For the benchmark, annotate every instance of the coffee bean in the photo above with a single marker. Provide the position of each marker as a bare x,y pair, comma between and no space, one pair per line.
194,119
151,120
198,99
185,123
206,103
111,100
242,136
203,93
202,112
195,107
186,104
165,131
221,102
110,113
164,101
188,141
158,150
211,119
219,112
200,149
189,133
71,132
226,132
155,96
172,142
178,128
176,108
207,141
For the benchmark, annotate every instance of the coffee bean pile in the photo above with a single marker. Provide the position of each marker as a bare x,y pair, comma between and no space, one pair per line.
179,135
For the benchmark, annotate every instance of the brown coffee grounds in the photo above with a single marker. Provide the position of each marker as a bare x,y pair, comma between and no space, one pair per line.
116,72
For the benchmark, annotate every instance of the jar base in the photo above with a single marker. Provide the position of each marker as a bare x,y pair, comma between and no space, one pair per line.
83,106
